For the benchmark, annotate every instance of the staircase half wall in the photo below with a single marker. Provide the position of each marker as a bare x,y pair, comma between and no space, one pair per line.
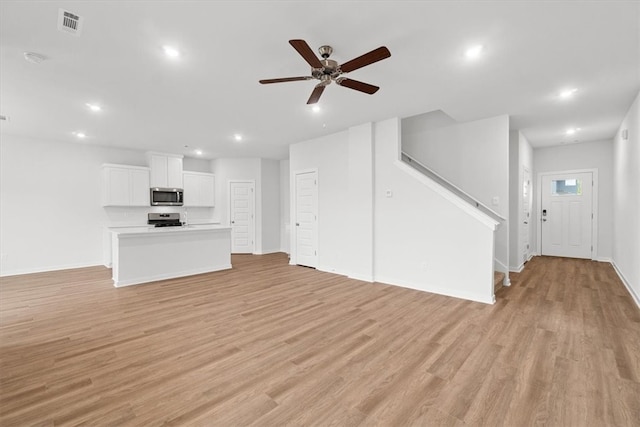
426,237
380,220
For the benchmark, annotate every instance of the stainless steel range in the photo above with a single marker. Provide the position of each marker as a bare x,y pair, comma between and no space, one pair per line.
164,219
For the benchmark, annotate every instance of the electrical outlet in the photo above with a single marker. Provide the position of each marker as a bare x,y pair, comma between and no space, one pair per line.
423,266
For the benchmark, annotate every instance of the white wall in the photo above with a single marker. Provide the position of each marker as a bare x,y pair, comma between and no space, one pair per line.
587,155
422,240
285,210
475,157
626,200
233,169
361,208
192,164
50,204
270,190
41,232
266,175
330,156
417,238
520,157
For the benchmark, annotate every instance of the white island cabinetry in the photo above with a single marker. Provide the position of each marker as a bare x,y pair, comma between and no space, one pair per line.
125,185
144,254
199,189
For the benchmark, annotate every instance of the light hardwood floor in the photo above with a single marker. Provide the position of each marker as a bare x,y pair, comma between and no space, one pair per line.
268,344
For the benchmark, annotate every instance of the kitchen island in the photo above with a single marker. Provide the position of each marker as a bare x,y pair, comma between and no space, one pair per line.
147,254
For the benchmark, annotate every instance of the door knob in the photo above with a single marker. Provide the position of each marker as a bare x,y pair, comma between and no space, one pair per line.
297,224
526,222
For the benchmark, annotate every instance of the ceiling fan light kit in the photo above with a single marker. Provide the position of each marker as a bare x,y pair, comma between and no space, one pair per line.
327,70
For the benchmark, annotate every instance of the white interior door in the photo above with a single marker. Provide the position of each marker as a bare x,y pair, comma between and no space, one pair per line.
241,216
306,217
526,214
566,214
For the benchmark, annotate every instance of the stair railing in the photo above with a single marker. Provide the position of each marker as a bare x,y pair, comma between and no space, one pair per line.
451,187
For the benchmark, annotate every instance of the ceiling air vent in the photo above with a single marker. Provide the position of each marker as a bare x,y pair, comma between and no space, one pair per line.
69,22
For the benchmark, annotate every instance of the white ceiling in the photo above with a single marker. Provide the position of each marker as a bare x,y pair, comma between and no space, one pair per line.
533,50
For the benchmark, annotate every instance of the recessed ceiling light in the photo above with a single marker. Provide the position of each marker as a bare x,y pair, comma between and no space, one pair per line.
568,93
315,108
237,137
80,135
171,52
572,131
474,52
199,152
94,107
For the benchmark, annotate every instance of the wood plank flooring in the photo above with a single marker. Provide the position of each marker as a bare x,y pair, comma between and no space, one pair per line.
268,344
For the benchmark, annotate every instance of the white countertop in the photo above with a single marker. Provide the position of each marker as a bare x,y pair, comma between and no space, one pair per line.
146,230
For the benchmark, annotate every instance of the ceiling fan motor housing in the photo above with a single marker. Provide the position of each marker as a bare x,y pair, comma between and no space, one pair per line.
329,68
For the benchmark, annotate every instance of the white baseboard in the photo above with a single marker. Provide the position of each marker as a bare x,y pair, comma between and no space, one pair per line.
517,269
268,251
329,269
488,299
362,277
21,272
634,296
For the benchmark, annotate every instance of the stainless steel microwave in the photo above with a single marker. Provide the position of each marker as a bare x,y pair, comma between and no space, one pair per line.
167,196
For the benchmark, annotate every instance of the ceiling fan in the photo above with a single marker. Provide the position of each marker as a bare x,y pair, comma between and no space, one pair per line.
328,70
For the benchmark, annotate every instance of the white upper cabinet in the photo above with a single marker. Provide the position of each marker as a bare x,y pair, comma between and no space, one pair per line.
199,189
125,185
139,184
166,170
174,172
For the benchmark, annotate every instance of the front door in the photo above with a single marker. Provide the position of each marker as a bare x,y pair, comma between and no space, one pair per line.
241,216
306,218
566,215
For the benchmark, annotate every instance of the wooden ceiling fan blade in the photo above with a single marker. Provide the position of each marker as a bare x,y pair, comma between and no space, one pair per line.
305,51
368,58
357,85
315,95
285,79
